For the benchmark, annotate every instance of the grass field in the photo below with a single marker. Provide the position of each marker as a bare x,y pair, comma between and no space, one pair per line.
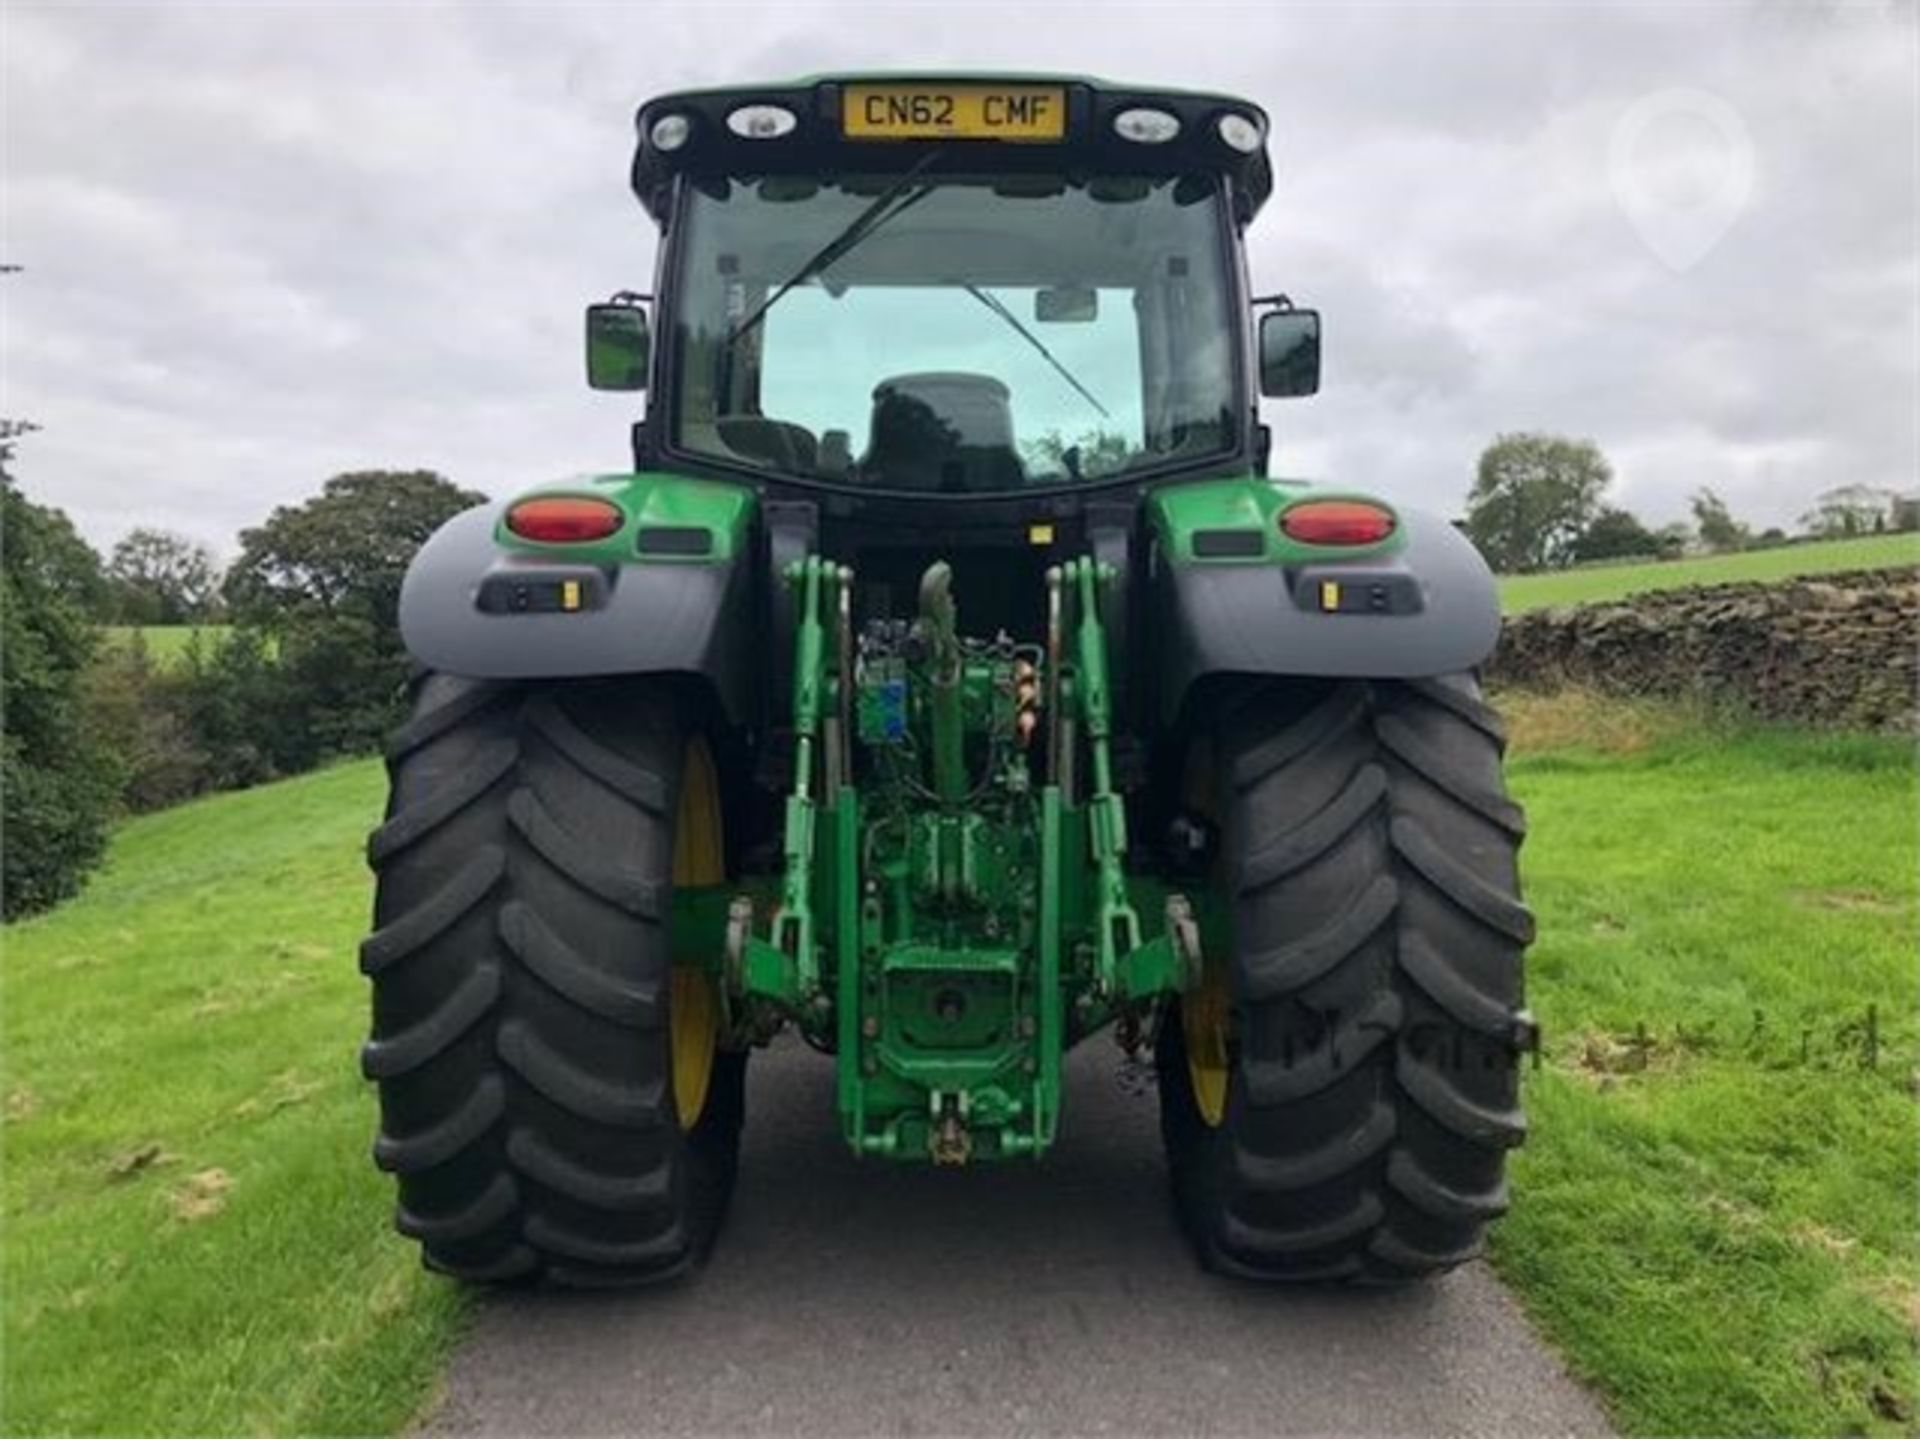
166,644
195,1239
1717,1231
1607,582
1715,1218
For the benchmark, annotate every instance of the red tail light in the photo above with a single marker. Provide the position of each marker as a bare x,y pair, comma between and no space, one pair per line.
564,519
1337,522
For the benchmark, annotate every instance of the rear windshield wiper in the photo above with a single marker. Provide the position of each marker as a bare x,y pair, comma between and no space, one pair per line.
888,203
993,303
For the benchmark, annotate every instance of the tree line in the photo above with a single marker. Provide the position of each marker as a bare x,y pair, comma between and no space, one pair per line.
1538,502
308,668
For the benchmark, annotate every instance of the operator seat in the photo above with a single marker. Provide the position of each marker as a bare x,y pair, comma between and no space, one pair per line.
942,431
778,443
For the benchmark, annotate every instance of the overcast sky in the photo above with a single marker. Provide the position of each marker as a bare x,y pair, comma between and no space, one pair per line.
264,244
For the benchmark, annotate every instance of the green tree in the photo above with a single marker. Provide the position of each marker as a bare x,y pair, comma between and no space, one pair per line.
344,679
1719,530
1850,510
344,551
242,711
1672,539
1097,452
323,580
61,562
57,784
1613,535
1533,497
133,708
160,578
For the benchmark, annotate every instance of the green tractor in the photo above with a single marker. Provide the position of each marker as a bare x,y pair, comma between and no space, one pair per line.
947,682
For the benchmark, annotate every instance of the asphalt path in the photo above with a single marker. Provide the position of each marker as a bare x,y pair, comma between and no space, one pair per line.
858,1297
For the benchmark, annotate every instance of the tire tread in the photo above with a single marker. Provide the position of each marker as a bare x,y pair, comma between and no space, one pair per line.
518,963
1371,849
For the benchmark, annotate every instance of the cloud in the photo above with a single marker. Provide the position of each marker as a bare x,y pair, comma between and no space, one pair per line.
266,245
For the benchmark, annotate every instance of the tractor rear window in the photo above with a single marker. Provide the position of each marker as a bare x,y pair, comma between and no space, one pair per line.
958,335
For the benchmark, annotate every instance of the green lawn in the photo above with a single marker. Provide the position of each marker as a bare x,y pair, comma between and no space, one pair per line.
1718,1232
166,644
1715,1216
1607,582
195,1239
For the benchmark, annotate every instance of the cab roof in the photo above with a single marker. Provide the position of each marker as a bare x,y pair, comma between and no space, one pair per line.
819,140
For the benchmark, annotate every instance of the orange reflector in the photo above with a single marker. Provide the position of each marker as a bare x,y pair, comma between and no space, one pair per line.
564,519
1337,522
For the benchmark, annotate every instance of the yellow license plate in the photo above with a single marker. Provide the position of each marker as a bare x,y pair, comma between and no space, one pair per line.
954,112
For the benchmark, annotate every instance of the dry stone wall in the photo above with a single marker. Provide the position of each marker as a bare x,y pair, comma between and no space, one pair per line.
1834,650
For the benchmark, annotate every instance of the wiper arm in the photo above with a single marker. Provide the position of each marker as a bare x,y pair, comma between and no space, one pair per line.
994,304
862,225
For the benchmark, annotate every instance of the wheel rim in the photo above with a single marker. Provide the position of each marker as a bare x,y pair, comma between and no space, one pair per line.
693,1007
1206,1011
1204,1014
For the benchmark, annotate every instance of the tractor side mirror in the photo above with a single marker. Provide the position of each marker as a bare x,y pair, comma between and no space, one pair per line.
1066,304
1289,353
618,345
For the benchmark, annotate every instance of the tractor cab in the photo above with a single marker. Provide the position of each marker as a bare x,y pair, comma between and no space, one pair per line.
1015,292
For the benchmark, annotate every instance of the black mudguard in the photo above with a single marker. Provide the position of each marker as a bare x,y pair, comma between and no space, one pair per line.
679,617
1439,613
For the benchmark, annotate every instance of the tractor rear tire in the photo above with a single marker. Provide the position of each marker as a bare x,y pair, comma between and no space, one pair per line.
524,1038
1338,1096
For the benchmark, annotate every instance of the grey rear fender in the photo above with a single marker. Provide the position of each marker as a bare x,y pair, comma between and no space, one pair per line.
1428,607
470,607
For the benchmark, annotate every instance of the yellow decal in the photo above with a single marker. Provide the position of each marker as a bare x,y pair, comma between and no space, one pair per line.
570,594
1039,534
1329,594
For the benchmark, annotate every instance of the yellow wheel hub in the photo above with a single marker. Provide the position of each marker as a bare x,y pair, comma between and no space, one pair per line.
1204,1015
693,1005
1206,1012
